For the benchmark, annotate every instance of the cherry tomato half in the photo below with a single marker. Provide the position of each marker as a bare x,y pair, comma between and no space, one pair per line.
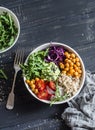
43,95
52,85
40,85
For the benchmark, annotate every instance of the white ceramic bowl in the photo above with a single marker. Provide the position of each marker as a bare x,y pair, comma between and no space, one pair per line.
44,46
16,22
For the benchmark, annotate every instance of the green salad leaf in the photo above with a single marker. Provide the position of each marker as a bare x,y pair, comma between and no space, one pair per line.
37,67
8,30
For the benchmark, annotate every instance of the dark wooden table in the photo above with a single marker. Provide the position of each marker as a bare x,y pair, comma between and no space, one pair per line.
67,21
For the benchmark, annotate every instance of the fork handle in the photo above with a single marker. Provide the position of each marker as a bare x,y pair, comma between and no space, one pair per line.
10,101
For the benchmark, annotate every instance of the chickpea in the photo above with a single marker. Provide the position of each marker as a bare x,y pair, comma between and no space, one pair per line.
33,89
63,72
76,68
73,60
66,69
67,65
36,79
36,91
32,81
61,65
76,73
71,71
68,61
78,63
27,81
73,55
68,56
79,71
77,59
33,86
66,53
71,63
71,67
75,65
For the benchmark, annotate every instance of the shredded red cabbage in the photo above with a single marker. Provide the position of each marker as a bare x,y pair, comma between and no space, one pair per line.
55,54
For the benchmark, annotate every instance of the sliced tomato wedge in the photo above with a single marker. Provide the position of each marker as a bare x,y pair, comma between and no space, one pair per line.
52,85
43,95
40,85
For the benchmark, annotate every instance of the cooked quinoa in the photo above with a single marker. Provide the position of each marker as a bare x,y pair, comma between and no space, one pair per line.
69,85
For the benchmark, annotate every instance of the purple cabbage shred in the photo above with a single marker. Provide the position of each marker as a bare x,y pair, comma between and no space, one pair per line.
55,54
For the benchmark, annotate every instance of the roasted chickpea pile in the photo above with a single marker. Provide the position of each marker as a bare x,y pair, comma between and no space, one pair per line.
32,85
71,65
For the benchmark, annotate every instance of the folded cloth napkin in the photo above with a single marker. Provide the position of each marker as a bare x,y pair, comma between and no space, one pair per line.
80,115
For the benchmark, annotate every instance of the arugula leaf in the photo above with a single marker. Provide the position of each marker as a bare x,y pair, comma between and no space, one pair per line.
37,67
2,74
8,30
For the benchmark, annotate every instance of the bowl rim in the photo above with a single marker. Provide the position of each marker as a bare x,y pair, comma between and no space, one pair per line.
18,26
45,45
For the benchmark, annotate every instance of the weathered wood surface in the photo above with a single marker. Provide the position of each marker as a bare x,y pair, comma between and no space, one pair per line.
68,21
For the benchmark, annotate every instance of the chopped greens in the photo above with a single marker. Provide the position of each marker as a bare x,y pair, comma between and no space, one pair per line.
37,67
2,74
8,30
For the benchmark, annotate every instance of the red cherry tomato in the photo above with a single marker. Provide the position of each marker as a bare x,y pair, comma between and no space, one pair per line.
43,95
40,85
52,85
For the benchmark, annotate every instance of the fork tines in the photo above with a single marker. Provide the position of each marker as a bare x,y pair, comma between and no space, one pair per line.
19,56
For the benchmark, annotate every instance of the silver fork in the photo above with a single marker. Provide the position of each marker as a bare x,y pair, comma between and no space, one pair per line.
17,61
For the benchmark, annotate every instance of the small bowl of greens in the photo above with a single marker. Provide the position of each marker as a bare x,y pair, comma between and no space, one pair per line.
54,73
9,29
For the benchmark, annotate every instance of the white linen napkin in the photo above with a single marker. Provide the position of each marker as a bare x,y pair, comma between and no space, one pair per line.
80,115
